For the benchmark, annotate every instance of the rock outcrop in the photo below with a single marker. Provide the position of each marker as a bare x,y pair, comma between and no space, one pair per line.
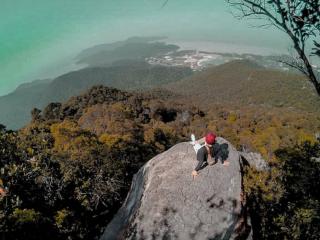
165,202
255,160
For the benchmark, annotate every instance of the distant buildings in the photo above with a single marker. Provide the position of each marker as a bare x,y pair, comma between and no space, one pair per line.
199,60
195,60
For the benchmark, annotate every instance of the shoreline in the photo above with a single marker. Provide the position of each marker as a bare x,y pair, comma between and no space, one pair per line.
219,47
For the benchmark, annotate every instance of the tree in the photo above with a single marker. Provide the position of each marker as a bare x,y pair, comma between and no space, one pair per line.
35,114
284,203
8,146
299,19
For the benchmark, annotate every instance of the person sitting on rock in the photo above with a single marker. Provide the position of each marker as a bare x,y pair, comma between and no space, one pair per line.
206,154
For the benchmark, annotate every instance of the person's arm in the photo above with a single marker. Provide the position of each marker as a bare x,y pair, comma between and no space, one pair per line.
200,158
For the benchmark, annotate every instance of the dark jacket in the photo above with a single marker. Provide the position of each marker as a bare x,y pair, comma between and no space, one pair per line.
219,151
202,157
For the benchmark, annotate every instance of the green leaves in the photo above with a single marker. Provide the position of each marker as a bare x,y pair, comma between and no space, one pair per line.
295,214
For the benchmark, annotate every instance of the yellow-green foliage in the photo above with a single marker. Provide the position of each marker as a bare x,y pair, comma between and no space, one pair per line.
149,135
81,155
63,134
303,136
262,182
259,129
69,138
122,108
75,146
25,216
232,117
35,139
305,215
112,139
113,119
266,141
292,225
160,134
61,216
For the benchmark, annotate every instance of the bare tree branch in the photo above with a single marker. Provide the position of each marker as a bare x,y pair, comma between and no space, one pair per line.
165,3
299,19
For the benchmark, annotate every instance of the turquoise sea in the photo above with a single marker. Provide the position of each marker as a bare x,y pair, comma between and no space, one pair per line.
39,38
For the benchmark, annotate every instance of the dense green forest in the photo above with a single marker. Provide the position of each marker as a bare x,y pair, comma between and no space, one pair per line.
65,174
284,203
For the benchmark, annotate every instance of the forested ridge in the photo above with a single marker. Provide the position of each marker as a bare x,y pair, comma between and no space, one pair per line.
65,174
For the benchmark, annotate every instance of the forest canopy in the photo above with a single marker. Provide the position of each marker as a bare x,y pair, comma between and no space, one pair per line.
66,173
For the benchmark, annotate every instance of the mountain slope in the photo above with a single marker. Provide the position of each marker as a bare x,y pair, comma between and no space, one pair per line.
244,83
135,48
15,107
73,164
235,83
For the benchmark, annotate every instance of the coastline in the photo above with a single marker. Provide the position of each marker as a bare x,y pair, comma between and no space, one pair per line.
219,47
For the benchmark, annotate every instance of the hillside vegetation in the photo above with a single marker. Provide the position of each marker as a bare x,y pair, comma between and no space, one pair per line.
245,83
15,107
66,173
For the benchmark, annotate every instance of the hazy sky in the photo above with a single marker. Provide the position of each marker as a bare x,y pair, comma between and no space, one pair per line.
39,38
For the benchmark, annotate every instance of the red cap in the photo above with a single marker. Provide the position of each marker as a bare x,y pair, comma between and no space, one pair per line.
210,138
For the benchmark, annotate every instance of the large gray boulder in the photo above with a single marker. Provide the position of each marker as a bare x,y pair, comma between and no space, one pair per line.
165,202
